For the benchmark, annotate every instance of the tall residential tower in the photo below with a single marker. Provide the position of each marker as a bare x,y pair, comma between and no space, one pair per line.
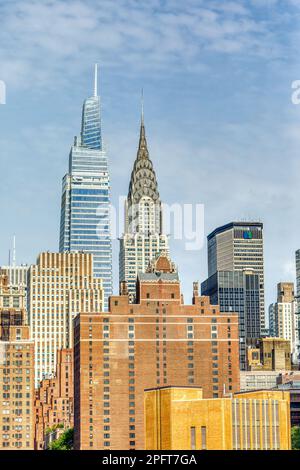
143,238
60,285
85,208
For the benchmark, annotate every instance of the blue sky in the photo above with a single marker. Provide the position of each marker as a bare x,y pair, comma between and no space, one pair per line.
221,127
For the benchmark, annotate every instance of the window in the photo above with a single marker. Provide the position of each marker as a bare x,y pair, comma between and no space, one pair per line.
193,438
203,437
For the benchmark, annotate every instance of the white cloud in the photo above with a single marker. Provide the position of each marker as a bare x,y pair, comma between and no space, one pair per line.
42,39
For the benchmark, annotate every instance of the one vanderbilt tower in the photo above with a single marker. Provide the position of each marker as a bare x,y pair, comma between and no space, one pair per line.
143,239
85,208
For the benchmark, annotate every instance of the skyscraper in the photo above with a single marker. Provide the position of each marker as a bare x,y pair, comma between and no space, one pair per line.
60,286
16,370
237,291
235,247
143,238
283,317
85,207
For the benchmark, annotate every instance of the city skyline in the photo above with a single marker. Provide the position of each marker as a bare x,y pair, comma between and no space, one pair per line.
149,242
219,120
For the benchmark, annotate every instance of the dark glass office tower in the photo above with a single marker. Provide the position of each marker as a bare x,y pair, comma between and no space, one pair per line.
235,247
237,291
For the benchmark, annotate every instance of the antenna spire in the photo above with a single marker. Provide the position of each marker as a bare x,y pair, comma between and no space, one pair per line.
142,150
142,106
96,80
14,251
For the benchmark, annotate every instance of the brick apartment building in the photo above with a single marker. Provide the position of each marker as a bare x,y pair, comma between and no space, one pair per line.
16,371
54,401
156,341
60,285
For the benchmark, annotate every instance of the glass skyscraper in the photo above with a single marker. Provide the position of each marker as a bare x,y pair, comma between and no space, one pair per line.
85,206
239,292
235,247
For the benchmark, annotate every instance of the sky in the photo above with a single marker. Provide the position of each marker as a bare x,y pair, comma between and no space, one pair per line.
221,127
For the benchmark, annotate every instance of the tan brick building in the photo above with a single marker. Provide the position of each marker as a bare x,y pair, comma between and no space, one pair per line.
11,296
16,372
54,401
270,354
60,286
283,318
156,341
275,353
179,418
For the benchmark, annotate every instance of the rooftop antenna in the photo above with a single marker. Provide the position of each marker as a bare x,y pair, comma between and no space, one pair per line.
96,81
14,251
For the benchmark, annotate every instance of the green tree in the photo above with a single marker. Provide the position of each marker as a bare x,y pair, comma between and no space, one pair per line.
52,428
64,442
296,438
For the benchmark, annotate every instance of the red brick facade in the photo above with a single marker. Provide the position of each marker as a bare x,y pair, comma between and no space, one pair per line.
54,399
154,342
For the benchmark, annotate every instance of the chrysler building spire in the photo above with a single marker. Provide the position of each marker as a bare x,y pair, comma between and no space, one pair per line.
142,149
143,178
143,239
